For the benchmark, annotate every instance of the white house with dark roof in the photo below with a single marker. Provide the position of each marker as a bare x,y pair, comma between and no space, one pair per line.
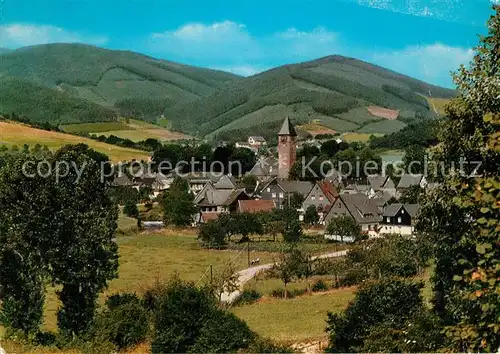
399,219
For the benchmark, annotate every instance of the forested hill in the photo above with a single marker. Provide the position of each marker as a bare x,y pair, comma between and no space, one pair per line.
108,77
334,91
80,83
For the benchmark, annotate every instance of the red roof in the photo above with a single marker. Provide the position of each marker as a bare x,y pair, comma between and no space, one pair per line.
329,190
209,216
255,206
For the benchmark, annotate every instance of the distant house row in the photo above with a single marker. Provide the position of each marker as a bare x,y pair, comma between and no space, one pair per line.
367,203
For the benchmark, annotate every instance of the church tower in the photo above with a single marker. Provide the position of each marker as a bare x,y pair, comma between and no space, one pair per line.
287,150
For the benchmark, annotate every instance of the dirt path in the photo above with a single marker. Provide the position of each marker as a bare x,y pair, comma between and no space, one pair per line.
246,275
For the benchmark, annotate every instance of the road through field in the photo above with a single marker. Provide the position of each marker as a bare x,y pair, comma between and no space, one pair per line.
248,274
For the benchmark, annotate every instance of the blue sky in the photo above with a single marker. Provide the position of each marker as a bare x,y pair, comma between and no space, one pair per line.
422,38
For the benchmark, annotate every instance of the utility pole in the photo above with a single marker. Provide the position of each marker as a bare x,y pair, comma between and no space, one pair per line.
248,253
211,276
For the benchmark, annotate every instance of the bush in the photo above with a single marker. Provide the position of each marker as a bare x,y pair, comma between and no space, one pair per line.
125,323
353,276
247,297
320,285
223,333
290,294
130,209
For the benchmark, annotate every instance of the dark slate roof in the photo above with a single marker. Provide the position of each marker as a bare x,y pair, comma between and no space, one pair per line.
122,181
265,167
408,180
301,187
363,209
287,128
225,182
258,138
377,181
393,209
218,197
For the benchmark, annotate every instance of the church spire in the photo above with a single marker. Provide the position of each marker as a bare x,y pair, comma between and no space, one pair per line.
287,128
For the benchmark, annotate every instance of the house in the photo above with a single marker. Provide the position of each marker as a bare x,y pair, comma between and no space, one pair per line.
203,218
225,182
198,180
409,180
211,199
399,219
265,168
363,210
248,146
322,196
256,140
122,180
279,190
255,206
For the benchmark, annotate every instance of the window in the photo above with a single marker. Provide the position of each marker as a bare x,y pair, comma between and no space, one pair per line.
313,198
268,190
399,220
273,195
387,219
321,198
281,195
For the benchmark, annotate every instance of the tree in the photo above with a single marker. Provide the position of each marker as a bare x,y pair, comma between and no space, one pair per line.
249,182
212,234
461,216
130,209
330,148
344,226
411,195
26,212
225,280
85,230
294,200
414,159
386,304
178,206
311,216
292,231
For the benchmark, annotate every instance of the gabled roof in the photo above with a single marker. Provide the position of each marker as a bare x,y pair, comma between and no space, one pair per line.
255,206
225,182
393,209
361,208
265,167
291,186
408,180
257,138
287,128
329,190
377,181
122,180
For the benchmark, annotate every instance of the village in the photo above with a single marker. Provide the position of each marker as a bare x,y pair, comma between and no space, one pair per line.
372,202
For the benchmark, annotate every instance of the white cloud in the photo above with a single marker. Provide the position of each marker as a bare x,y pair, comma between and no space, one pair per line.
232,45
431,63
20,35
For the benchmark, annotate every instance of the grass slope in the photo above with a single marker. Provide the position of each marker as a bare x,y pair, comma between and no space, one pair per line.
132,129
334,89
19,134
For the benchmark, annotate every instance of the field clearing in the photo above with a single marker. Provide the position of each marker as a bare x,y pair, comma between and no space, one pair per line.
316,129
157,256
361,137
358,115
293,320
384,126
384,113
19,134
143,134
94,127
438,104
133,129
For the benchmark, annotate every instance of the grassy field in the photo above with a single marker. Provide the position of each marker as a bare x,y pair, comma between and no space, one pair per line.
156,256
135,130
361,137
94,127
19,134
384,126
438,104
293,320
